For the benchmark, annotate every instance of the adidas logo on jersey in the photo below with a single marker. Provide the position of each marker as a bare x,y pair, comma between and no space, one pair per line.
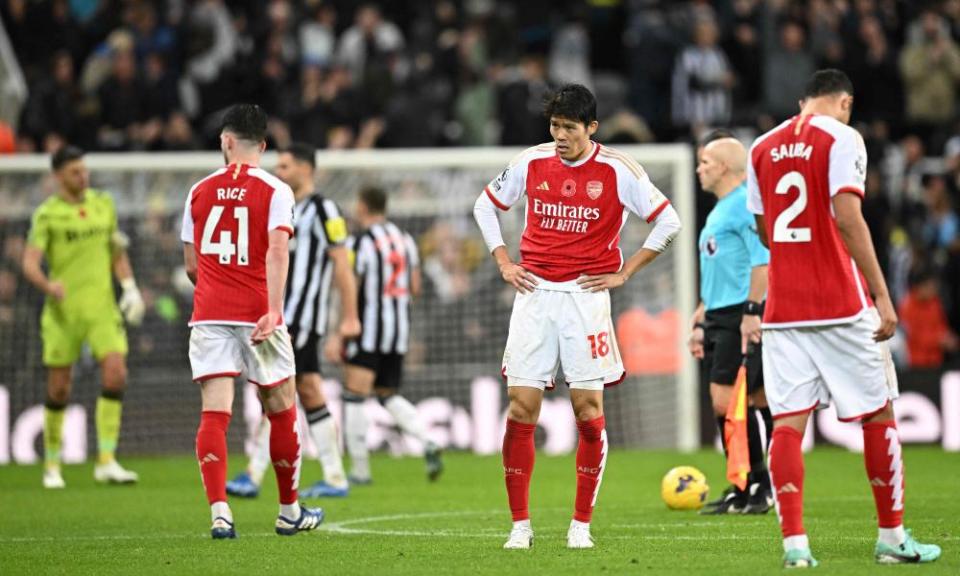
544,186
877,482
283,464
210,457
788,488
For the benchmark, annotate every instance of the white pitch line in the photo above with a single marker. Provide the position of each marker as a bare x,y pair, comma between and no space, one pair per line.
350,528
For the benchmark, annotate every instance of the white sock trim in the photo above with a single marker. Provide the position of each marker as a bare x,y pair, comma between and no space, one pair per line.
892,536
221,510
523,524
800,542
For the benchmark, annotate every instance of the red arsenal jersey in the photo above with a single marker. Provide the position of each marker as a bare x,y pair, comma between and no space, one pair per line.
228,218
575,211
794,172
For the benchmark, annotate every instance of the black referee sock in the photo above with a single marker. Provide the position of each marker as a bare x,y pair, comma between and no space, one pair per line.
721,423
754,441
317,414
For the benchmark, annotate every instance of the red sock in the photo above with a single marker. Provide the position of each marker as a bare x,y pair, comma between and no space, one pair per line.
881,454
591,459
285,452
786,475
518,456
212,454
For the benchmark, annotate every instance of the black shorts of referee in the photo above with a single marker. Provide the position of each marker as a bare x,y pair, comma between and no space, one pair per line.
722,345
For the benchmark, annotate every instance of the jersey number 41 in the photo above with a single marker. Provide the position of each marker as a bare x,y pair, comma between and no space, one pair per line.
225,248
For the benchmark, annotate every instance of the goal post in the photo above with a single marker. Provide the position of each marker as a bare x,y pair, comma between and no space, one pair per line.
459,326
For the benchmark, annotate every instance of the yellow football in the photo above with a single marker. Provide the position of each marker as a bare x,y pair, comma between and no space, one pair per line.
684,488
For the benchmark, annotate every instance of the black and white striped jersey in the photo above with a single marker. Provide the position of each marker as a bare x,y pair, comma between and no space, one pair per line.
319,226
385,256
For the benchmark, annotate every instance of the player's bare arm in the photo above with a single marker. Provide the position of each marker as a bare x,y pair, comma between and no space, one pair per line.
634,264
347,289
665,229
695,341
278,259
33,272
750,330
762,230
512,273
416,281
856,236
190,262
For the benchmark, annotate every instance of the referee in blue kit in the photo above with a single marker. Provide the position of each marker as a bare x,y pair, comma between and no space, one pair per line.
733,283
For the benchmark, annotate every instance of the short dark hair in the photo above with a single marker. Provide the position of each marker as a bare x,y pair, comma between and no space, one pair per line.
303,152
828,82
571,101
718,134
375,199
64,155
247,121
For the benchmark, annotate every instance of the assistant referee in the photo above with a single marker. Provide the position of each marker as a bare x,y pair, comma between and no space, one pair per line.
733,282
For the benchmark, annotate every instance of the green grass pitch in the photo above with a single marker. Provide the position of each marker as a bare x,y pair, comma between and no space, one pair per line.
404,525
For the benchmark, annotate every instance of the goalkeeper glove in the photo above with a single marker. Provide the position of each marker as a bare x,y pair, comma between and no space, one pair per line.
131,302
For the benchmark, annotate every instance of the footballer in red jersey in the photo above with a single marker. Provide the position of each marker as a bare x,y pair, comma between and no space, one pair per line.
824,335
237,224
578,196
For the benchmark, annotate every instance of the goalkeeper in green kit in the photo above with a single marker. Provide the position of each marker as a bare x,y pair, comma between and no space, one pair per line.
75,231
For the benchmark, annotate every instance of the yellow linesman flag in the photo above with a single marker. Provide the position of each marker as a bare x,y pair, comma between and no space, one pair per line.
735,433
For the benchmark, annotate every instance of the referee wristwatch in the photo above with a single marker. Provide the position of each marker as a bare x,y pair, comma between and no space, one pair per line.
752,308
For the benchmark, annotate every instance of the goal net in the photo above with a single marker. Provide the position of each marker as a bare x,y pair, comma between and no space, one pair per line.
459,325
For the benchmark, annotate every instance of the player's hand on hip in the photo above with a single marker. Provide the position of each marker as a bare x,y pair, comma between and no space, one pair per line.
131,302
888,319
602,281
516,276
56,291
695,343
750,331
350,328
264,328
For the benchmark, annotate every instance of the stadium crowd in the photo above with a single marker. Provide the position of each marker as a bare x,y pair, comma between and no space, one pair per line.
118,75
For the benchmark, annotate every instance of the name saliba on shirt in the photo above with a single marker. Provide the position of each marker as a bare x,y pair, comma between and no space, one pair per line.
564,218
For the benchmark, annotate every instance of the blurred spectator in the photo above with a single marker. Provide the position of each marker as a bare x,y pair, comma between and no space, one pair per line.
51,115
318,36
876,212
369,37
521,104
742,46
652,44
178,134
150,36
121,104
570,52
930,64
789,64
924,321
701,81
940,231
875,74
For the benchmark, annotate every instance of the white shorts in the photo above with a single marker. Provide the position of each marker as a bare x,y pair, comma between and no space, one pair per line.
218,350
807,368
558,326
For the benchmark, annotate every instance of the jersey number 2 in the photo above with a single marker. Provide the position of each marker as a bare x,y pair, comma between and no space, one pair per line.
225,248
782,232
399,265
